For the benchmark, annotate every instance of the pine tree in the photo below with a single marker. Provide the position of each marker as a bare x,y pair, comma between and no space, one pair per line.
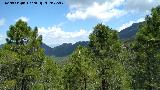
106,48
79,74
147,48
26,43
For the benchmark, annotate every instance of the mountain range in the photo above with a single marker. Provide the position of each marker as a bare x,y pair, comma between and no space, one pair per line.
63,50
67,48
129,32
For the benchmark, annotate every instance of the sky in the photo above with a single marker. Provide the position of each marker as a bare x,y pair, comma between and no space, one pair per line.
73,20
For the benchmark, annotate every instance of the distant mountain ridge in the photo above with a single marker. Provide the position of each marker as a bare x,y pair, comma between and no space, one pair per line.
67,48
62,50
1,45
47,49
129,32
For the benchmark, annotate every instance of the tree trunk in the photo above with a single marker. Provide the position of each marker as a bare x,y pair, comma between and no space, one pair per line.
149,70
85,83
104,83
23,83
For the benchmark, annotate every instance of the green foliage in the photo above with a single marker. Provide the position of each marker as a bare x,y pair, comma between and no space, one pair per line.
106,47
61,61
50,76
147,48
80,74
8,72
116,75
25,42
104,41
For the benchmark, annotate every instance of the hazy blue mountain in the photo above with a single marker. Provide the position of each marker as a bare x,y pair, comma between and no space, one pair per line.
1,45
48,50
129,32
67,48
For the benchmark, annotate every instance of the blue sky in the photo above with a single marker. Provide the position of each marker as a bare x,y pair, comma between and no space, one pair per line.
74,20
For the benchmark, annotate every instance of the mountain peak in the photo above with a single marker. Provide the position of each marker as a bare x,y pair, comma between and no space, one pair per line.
129,32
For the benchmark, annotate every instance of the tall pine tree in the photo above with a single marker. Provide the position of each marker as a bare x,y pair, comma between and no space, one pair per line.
26,42
147,48
106,47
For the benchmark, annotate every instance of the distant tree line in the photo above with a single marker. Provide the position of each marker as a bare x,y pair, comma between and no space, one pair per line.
107,64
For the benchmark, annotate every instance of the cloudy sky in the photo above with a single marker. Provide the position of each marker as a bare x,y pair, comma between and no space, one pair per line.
74,20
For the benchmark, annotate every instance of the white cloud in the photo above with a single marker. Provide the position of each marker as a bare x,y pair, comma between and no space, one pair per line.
55,35
105,10
82,3
2,39
128,24
2,21
23,19
102,11
141,5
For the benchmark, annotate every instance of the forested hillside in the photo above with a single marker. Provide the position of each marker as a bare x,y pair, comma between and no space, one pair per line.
106,63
